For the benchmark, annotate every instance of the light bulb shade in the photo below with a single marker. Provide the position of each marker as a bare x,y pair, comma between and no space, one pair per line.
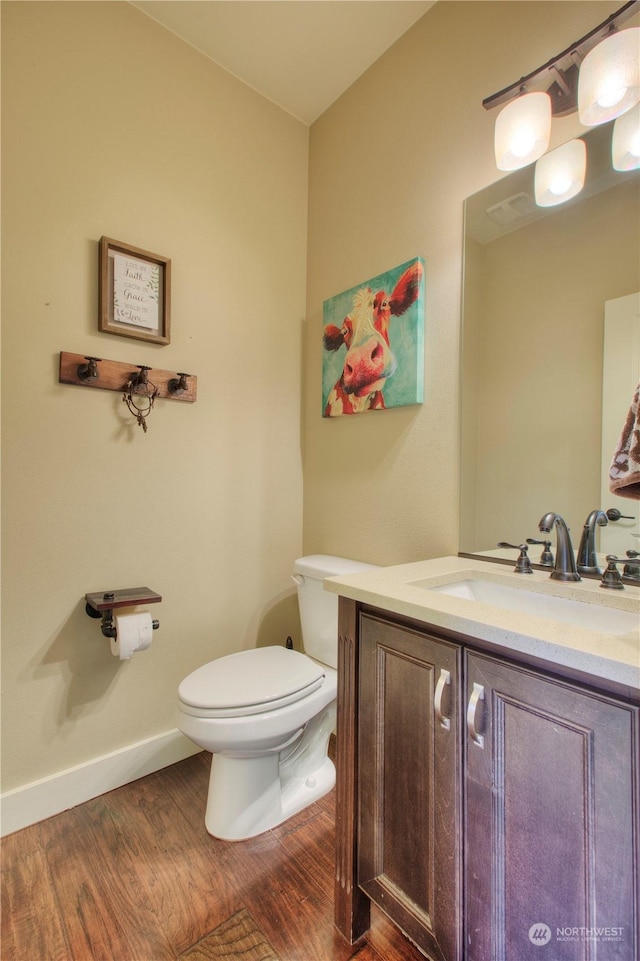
560,174
625,143
609,79
522,131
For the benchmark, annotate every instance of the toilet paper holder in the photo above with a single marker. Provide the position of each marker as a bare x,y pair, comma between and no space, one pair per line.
103,603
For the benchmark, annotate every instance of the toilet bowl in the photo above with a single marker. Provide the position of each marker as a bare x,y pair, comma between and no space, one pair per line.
266,715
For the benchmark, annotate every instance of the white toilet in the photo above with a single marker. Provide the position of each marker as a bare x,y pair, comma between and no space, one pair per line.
267,715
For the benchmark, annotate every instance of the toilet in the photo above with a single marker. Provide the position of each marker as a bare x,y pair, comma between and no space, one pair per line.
267,715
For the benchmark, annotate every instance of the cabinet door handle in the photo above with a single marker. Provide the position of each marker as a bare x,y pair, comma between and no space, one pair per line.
477,694
444,679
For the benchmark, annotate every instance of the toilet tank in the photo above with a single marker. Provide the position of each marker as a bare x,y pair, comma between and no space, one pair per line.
318,608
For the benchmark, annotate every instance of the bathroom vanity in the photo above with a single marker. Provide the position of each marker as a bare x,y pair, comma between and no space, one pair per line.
488,793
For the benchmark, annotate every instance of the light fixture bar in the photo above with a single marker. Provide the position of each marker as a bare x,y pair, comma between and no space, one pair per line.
559,76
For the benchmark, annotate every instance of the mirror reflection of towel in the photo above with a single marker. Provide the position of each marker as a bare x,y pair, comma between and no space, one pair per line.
624,473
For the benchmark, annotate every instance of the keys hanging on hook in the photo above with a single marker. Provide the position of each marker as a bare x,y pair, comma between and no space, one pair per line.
139,386
139,383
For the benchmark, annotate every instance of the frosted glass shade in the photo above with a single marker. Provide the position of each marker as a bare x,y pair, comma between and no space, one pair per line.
625,143
609,78
522,131
560,174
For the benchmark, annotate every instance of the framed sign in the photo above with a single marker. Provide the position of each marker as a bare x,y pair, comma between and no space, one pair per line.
134,292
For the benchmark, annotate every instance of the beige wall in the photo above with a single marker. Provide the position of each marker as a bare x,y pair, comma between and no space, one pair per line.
112,126
390,166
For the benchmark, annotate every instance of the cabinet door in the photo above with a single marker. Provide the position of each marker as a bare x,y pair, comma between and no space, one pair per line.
409,777
551,819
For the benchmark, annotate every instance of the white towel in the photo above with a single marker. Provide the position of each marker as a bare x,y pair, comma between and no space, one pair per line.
624,473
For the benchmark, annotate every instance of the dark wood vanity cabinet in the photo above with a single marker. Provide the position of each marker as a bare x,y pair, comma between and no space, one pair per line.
491,810
551,818
409,783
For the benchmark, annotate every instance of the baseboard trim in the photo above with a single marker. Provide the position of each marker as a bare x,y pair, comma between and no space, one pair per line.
42,799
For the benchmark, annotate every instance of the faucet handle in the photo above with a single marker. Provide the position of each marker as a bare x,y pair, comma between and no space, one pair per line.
546,557
523,564
614,515
611,578
631,568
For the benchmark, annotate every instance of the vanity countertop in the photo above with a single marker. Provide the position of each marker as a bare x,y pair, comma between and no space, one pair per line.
601,655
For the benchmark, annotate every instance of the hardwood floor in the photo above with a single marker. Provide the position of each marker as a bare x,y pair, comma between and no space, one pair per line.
134,876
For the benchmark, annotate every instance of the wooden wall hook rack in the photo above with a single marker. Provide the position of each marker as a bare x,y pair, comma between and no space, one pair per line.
86,371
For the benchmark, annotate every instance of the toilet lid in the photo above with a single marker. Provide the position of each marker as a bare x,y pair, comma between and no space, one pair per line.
251,681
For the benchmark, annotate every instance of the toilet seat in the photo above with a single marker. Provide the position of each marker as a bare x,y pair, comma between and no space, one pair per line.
250,682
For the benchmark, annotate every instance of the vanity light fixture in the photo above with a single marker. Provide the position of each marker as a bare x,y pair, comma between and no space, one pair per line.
625,143
609,81
559,175
523,129
599,75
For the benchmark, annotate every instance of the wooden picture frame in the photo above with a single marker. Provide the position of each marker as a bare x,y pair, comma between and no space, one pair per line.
134,295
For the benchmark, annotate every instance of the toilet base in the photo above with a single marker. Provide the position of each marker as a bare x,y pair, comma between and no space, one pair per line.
250,795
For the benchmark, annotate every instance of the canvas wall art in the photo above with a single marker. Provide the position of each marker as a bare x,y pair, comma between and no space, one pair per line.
373,343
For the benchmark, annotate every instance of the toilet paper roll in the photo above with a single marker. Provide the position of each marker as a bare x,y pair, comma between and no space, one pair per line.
133,633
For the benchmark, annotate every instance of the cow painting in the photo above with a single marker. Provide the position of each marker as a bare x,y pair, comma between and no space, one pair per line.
380,326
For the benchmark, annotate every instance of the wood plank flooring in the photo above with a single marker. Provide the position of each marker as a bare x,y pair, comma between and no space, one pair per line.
134,876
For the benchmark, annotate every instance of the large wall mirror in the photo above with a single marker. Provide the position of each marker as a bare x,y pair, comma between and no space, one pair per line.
544,289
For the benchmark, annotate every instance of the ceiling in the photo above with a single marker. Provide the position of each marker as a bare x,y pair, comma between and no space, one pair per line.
300,54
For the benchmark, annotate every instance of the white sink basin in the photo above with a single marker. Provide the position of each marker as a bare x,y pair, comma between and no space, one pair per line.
593,617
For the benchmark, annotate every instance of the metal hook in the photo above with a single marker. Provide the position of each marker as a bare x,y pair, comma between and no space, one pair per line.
137,381
178,386
89,371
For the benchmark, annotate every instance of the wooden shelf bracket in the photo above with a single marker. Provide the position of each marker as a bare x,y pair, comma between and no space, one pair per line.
102,604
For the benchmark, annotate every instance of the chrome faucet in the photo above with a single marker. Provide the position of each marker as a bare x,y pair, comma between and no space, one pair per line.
565,566
587,559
